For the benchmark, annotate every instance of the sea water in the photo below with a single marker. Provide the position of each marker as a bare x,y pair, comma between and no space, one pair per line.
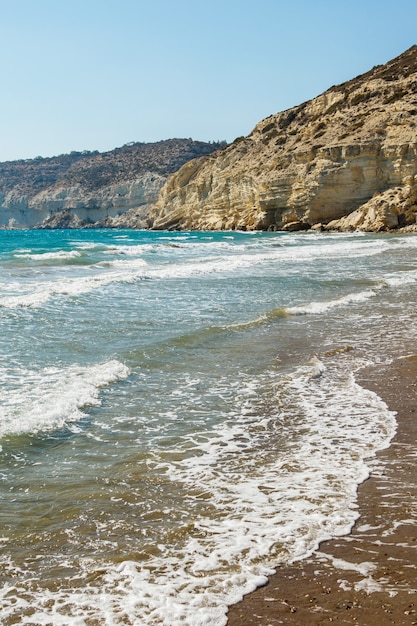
179,413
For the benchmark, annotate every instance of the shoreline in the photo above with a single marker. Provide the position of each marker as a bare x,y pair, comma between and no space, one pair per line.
368,577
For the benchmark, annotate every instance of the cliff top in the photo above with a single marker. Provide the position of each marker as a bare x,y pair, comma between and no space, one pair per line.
396,69
371,107
94,170
377,106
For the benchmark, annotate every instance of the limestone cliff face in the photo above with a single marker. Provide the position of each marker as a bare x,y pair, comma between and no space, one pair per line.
312,164
112,189
51,208
391,209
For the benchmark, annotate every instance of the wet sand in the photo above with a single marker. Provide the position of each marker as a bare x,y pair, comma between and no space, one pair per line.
370,576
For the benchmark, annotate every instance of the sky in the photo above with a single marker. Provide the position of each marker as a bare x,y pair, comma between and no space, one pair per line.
97,74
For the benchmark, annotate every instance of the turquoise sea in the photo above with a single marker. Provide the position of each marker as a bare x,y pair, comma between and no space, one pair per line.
179,413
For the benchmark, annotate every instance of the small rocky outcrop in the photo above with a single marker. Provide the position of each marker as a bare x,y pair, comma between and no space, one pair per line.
391,209
84,189
346,159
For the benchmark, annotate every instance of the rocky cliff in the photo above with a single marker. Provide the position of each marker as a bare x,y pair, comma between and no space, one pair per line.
114,188
346,159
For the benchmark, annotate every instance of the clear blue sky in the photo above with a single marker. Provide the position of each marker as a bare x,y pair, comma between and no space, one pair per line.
96,74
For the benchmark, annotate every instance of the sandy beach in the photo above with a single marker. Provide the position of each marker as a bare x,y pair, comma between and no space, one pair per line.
368,577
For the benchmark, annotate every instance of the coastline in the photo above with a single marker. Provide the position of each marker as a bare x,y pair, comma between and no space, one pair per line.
368,577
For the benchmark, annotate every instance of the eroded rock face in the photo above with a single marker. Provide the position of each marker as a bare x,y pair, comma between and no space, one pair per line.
113,189
391,209
104,207
312,164
51,208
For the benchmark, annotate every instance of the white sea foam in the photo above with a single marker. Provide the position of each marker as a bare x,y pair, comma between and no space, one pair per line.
127,264
317,308
401,278
48,256
275,475
34,401
303,494
271,254
364,567
132,266
37,293
131,250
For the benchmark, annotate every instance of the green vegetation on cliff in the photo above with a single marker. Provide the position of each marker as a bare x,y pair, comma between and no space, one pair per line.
95,170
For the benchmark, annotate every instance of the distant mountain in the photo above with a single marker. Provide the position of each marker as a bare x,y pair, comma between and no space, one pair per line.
92,188
346,159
